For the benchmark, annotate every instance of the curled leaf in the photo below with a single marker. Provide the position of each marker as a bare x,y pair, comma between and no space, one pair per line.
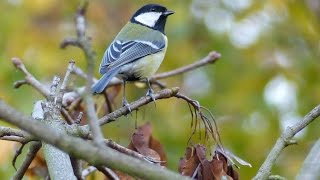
143,142
196,165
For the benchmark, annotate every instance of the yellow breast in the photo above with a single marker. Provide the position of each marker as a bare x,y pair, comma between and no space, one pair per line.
148,65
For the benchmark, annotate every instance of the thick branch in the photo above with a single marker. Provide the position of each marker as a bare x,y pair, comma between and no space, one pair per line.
283,141
79,148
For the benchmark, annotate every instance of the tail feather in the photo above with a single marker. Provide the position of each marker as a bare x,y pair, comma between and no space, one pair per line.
103,81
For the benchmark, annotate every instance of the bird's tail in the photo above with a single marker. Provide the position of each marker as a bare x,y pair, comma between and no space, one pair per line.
103,81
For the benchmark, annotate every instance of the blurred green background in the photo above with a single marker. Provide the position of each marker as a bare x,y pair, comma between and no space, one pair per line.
267,78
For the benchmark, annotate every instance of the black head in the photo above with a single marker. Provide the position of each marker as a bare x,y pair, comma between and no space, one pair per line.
153,16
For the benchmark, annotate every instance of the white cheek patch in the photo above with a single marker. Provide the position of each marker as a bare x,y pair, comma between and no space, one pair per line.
149,18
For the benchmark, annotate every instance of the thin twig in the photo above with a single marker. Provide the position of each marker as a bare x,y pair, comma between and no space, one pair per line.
31,80
67,116
69,42
54,86
211,58
10,134
85,45
206,121
17,154
78,71
83,131
14,139
67,75
108,173
166,93
18,84
7,131
129,152
63,90
32,152
283,141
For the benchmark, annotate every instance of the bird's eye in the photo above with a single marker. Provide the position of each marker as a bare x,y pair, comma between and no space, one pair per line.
153,9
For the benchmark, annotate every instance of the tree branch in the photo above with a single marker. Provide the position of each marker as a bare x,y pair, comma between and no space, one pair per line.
10,134
127,151
32,152
83,42
6,131
163,94
84,150
58,162
77,168
212,57
31,80
283,141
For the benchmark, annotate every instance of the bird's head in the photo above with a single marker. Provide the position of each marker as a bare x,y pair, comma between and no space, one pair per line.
153,16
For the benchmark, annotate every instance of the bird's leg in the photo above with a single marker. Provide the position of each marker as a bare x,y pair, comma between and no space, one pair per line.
124,99
150,92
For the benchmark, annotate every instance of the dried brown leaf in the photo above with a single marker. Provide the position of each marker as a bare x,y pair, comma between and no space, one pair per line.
143,142
227,170
217,169
206,166
233,173
189,164
157,146
214,169
141,146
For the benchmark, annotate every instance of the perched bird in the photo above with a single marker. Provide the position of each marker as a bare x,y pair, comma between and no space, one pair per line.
137,51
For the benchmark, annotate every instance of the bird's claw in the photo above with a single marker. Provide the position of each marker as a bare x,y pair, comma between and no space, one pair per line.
126,104
150,93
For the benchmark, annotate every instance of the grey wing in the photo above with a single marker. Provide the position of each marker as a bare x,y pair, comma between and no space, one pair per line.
123,52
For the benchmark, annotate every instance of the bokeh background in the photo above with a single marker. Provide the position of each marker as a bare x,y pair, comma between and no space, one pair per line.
268,76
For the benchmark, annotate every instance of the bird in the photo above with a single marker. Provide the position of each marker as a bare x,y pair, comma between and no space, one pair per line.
137,51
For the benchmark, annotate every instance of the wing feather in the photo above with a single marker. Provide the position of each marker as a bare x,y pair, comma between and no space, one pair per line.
123,52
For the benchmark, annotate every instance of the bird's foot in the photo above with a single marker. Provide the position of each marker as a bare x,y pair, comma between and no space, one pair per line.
126,104
150,93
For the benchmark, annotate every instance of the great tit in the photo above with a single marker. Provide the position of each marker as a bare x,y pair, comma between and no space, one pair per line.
137,51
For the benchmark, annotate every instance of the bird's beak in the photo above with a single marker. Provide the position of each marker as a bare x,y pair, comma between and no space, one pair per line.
168,12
